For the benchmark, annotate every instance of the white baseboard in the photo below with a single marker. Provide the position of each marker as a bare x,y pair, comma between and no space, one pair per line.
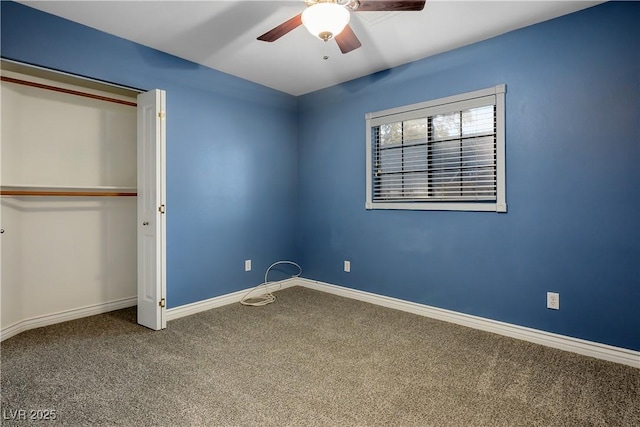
587,348
562,342
63,316
208,304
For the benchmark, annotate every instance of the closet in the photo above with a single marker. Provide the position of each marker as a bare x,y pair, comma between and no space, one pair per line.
68,183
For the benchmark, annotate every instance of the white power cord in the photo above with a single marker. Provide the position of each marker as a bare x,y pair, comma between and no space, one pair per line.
267,297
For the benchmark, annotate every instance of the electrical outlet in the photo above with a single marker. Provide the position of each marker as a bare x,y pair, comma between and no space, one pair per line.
247,265
347,266
553,300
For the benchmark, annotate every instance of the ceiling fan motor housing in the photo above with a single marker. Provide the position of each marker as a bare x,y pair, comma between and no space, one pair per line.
349,4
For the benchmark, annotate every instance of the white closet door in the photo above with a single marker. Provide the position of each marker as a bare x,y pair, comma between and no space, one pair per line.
151,208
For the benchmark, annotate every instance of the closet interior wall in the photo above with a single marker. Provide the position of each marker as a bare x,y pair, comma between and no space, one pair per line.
68,177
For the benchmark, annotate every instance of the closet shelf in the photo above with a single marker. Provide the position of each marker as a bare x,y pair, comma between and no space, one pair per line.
67,191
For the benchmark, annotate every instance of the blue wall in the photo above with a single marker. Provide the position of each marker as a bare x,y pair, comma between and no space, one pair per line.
292,186
573,183
231,151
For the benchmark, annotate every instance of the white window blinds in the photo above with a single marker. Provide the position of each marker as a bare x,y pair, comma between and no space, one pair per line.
443,154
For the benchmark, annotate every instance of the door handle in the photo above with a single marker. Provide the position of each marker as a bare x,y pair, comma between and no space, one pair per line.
1,230
145,223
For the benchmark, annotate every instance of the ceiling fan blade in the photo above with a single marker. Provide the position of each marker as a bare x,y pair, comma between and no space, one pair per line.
282,29
347,40
390,5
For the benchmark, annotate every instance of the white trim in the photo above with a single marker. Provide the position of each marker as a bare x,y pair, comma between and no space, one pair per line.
440,101
501,190
438,108
369,163
484,97
171,313
234,297
432,206
162,199
587,348
64,316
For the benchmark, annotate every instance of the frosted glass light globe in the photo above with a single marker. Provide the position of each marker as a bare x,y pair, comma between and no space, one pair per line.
325,20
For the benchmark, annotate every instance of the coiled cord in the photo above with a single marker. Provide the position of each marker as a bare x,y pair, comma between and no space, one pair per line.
267,297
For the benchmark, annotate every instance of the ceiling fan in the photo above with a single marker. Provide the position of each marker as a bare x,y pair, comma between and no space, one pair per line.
328,19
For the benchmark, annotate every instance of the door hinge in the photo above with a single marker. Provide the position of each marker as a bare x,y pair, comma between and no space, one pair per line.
162,115
161,209
162,303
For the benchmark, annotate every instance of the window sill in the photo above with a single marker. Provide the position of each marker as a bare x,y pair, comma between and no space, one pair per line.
446,206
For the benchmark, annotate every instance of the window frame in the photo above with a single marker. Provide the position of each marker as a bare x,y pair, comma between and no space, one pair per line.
430,108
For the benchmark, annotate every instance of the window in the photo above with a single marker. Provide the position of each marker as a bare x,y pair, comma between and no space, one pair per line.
446,154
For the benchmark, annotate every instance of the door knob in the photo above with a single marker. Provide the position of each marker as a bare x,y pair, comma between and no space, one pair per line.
145,223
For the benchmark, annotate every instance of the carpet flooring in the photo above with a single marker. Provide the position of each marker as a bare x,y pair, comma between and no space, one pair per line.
309,359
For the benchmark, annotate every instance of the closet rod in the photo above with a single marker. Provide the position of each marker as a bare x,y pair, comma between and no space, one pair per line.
65,193
68,91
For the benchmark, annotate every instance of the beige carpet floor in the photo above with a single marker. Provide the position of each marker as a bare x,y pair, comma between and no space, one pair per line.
309,359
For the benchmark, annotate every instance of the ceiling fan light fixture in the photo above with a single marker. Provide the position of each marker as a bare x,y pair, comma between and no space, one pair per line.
325,20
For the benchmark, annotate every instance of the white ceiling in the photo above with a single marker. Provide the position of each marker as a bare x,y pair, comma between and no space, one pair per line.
222,34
